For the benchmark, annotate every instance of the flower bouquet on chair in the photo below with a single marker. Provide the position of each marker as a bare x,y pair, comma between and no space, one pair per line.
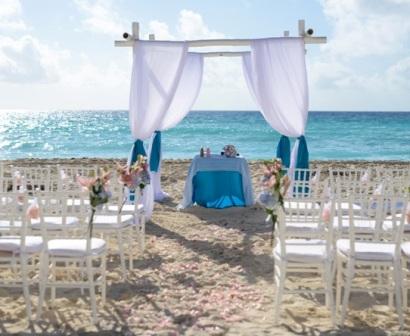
98,192
275,185
135,177
230,151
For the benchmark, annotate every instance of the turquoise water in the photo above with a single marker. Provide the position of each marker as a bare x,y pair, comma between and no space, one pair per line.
330,135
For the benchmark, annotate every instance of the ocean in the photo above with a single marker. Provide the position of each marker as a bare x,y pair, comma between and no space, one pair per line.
106,134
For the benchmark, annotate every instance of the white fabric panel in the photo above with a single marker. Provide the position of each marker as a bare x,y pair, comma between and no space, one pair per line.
147,200
156,71
182,102
275,72
186,93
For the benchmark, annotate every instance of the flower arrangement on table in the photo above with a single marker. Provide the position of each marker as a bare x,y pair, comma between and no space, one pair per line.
230,151
98,192
275,185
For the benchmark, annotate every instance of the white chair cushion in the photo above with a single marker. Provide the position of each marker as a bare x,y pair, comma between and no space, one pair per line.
75,247
127,208
4,224
388,224
111,221
368,251
301,226
303,250
54,222
34,244
362,225
405,247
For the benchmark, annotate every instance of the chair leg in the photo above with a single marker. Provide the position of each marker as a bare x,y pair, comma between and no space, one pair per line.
347,287
121,252
339,283
53,278
141,233
26,291
104,279
329,291
130,248
390,279
42,284
91,288
398,290
280,284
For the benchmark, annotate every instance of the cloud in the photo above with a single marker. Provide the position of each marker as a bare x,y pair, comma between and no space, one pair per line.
10,11
366,52
160,30
101,17
192,26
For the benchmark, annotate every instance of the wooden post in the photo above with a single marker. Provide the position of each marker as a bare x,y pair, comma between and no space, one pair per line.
151,37
286,33
135,30
301,27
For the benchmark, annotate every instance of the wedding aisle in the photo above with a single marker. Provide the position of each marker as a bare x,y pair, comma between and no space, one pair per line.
204,272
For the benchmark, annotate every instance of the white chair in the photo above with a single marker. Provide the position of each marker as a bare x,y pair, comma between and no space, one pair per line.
70,261
109,222
303,252
32,178
18,253
379,258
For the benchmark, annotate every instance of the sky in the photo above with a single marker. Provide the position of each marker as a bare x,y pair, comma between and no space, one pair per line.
60,55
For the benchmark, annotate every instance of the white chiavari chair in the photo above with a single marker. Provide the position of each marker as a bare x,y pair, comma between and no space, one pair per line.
378,258
19,252
304,252
74,260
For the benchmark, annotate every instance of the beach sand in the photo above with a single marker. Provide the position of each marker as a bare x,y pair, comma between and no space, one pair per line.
204,272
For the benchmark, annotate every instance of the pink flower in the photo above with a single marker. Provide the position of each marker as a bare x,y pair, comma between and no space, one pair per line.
408,213
33,211
326,212
86,182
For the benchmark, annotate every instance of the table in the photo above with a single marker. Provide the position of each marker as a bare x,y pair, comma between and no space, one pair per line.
218,182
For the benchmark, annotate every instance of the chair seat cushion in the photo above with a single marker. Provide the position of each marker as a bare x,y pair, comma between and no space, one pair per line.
5,224
361,224
75,247
127,208
33,244
55,222
301,226
111,221
303,250
368,251
405,247
388,223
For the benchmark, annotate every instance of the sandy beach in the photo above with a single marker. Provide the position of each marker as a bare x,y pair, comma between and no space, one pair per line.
204,272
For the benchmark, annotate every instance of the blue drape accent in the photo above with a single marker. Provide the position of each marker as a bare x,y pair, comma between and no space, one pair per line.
302,160
218,189
137,149
283,150
155,152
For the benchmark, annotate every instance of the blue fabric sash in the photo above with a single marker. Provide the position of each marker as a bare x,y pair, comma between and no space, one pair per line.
155,152
283,150
137,149
302,160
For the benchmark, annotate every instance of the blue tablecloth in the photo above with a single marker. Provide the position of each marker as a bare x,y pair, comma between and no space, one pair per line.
218,182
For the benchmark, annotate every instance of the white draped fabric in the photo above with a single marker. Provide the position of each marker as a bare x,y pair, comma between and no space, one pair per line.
182,102
275,72
156,72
